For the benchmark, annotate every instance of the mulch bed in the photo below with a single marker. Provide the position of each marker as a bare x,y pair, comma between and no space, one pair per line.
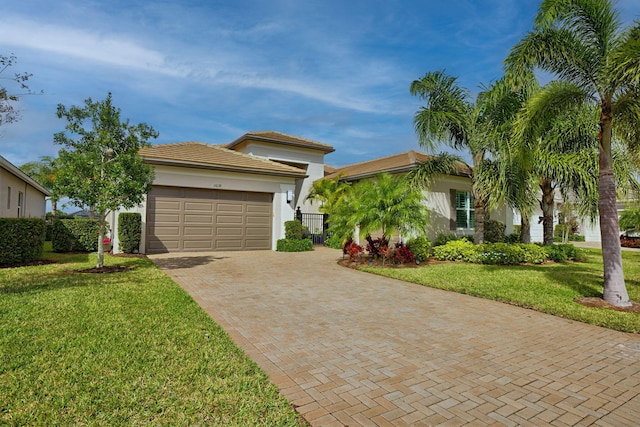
346,262
600,303
107,269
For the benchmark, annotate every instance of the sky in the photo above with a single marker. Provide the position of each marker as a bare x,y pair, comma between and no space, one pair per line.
332,71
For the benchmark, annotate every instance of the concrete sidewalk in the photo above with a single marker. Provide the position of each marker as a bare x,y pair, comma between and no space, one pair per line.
353,349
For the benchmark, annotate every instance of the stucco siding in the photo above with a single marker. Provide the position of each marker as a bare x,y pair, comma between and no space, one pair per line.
33,200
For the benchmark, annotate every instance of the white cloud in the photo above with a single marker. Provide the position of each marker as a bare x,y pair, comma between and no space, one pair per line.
90,46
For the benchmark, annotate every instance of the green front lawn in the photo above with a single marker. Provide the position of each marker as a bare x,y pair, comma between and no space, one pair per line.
550,288
129,348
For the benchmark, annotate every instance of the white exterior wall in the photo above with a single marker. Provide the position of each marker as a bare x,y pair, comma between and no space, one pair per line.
33,202
439,204
210,179
312,160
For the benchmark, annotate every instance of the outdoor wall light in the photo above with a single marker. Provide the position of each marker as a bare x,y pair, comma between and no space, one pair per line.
289,196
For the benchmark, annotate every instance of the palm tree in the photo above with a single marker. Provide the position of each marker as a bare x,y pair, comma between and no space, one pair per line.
45,172
328,192
583,43
386,203
450,116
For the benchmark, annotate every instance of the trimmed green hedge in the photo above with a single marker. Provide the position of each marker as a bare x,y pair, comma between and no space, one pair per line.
21,240
293,230
294,245
75,235
129,232
505,253
494,231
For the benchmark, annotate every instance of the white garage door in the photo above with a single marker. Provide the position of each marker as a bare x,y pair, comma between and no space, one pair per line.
184,219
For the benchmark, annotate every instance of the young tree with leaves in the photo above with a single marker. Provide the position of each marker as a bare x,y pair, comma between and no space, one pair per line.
583,43
99,163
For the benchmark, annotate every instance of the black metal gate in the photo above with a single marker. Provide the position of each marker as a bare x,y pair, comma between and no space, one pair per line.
315,223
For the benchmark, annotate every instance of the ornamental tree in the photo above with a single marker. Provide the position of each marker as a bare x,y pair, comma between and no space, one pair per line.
99,162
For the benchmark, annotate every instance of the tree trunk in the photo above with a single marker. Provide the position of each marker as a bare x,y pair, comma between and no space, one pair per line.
614,291
54,209
102,221
548,196
525,229
478,202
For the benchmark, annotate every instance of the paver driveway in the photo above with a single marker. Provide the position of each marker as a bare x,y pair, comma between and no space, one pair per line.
350,348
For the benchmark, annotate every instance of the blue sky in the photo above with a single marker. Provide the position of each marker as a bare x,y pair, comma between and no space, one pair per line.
333,71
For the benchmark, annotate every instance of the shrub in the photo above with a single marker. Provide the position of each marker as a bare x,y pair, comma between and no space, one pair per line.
421,248
443,238
564,252
293,230
456,250
533,254
21,240
129,232
294,245
333,242
512,238
494,231
75,235
353,250
630,242
403,254
499,253
376,247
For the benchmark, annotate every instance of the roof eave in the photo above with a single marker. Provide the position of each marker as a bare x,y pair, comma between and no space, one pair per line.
197,165
26,178
252,136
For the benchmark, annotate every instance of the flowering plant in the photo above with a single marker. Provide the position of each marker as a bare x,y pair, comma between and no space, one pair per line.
106,240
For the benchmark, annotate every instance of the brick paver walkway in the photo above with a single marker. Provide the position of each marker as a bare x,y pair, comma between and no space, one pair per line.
353,349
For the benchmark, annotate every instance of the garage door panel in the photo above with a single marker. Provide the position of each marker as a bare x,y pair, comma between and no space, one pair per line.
203,219
256,244
161,230
257,232
198,219
198,231
228,219
198,207
225,232
259,209
228,207
258,220
195,245
163,246
167,218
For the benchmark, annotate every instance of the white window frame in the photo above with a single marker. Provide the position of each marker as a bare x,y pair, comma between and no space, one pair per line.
466,207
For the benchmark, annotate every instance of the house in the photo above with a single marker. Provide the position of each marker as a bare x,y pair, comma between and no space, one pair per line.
449,199
20,195
234,196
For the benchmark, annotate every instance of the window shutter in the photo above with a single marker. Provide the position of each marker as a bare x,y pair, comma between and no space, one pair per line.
452,209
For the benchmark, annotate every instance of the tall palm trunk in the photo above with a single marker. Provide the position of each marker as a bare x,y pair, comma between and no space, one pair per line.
548,196
479,204
54,209
614,291
525,229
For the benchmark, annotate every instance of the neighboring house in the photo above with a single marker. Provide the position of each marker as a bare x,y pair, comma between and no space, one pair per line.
20,195
235,196
449,199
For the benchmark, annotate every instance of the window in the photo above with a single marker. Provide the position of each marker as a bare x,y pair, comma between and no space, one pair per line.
464,210
8,198
20,202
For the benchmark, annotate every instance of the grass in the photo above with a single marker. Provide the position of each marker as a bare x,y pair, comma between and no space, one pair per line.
129,348
549,288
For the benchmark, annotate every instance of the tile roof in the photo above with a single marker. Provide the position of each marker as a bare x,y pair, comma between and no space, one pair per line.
281,138
396,163
206,156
